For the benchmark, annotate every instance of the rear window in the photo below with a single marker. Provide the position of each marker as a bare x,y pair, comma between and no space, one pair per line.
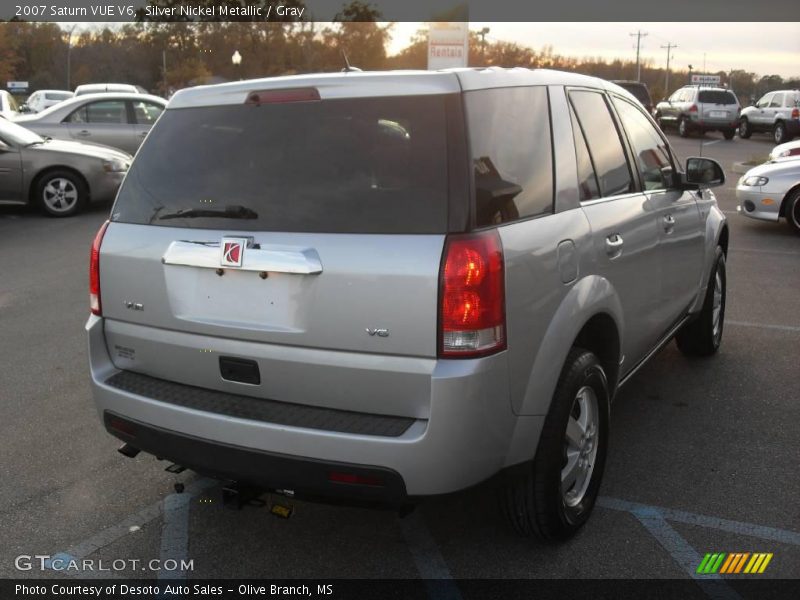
363,165
716,97
57,95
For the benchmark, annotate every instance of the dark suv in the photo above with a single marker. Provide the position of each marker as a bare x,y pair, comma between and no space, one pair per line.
639,91
698,108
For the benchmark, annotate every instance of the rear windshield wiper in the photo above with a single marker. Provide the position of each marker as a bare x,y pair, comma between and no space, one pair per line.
229,212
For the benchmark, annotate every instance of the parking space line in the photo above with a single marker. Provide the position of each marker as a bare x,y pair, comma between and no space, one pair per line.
682,552
711,143
175,534
430,563
115,532
783,536
760,251
790,328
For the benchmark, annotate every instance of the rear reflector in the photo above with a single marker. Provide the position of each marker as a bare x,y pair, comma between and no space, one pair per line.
283,96
94,271
354,479
472,296
121,426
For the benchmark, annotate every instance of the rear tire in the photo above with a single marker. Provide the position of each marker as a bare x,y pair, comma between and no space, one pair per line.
744,129
729,133
791,210
683,128
779,133
61,193
703,335
553,497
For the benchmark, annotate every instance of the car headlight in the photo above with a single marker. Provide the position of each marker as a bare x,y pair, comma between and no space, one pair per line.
115,165
755,180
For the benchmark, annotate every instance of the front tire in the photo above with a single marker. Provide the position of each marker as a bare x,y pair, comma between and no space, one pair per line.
791,210
683,128
744,129
61,193
779,133
553,497
703,335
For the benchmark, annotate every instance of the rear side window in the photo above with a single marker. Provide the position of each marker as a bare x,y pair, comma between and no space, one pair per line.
104,111
57,95
355,165
605,146
716,97
639,92
777,101
509,132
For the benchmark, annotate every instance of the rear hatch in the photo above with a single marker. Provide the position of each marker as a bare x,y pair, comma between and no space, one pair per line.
291,231
718,105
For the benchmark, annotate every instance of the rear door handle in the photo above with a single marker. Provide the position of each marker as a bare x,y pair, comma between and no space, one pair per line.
669,223
614,245
84,133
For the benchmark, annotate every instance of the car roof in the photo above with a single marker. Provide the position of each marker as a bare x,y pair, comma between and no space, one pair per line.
356,84
70,103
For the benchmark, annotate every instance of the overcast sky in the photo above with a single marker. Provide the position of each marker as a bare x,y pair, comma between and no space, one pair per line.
763,48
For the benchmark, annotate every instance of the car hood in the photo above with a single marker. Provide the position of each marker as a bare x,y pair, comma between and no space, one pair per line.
773,169
82,149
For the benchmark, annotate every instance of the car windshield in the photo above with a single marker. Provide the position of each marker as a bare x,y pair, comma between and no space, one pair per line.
716,97
19,136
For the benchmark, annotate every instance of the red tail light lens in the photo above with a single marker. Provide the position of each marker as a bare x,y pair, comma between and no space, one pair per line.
283,96
693,108
94,271
796,113
472,319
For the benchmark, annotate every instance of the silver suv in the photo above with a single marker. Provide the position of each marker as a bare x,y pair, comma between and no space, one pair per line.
699,108
383,286
775,112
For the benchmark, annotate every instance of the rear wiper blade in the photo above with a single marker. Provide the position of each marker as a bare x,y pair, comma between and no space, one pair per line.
229,212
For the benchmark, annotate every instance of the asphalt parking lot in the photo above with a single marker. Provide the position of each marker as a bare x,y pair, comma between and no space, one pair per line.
704,454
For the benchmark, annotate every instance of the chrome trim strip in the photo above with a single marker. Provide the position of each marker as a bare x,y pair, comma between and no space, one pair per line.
265,257
663,342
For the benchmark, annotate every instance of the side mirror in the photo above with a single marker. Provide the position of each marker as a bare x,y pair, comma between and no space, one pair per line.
702,173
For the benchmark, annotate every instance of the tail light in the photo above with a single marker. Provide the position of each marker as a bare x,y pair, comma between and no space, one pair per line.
472,315
94,271
693,108
796,113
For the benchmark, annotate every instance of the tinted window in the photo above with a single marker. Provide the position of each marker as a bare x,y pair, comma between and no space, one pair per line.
639,91
587,180
57,95
106,111
650,149
604,142
509,131
146,112
365,165
716,97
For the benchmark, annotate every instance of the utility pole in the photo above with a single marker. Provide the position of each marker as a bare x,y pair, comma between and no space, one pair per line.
669,48
639,35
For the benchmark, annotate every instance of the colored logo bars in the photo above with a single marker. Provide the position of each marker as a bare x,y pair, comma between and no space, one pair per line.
734,563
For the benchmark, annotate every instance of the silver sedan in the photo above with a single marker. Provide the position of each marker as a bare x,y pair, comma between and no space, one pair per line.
771,191
59,176
119,120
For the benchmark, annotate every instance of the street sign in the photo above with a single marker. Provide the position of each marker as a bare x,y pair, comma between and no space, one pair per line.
448,45
17,85
706,79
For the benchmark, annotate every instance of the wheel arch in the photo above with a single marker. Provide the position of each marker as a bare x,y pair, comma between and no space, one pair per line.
600,336
785,201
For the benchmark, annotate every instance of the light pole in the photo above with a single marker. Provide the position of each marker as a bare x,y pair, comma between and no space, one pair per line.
69,52
690,73
483,33
236,59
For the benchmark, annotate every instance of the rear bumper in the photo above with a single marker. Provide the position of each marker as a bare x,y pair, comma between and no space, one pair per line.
464,439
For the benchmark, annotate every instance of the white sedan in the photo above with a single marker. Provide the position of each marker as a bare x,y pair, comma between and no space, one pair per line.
772,190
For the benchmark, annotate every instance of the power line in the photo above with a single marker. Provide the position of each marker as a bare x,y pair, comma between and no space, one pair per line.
669,48
639,35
